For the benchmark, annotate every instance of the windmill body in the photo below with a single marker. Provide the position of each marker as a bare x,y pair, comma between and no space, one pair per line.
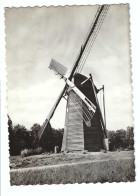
79,135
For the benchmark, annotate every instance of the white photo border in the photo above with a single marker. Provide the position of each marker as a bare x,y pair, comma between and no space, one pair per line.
75,189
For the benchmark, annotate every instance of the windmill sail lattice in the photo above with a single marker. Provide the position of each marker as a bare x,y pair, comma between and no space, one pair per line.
57,67
94,32
84,111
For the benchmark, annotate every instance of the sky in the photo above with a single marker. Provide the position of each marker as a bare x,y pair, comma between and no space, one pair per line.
36,35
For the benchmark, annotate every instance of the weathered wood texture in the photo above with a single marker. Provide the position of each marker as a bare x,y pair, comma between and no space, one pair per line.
93,138
73,139
77,135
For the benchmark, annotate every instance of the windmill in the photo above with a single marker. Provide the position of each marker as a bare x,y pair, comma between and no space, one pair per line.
85,127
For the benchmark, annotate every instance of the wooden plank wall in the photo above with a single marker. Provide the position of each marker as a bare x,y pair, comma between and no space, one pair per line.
73,139
93,137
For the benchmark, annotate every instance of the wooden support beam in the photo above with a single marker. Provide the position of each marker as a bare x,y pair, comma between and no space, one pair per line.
104,106
85,81
102,121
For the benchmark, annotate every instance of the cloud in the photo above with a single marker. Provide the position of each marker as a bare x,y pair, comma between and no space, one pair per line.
35,35
119,106
32,104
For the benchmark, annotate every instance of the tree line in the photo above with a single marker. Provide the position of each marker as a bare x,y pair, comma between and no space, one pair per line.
121,139
20,138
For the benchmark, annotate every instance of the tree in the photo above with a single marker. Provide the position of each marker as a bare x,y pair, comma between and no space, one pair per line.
121,139
51,137
47,139
121,133
130,137
34,134
21,137
11,137
112,140
36,127
58,137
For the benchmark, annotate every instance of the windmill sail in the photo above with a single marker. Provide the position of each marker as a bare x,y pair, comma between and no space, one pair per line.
90,38
94,30
57,67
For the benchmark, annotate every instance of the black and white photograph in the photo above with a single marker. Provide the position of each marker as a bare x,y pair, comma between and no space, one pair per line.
69,94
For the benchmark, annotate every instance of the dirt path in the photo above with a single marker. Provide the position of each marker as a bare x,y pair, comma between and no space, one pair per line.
61,159
65,164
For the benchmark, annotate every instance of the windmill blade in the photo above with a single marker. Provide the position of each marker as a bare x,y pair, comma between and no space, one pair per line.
90,38
85,48
94,32
61,70
50,115
58,68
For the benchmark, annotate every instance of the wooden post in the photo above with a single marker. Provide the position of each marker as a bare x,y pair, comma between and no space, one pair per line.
104,106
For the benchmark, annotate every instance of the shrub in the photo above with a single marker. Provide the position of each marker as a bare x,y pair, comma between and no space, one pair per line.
29,152
24,153
38,150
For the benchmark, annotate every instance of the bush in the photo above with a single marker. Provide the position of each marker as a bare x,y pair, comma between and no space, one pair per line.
29,152
24,153
38,150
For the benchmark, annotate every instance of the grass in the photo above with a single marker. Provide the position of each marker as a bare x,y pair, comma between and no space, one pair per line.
73,168
102,171
55,159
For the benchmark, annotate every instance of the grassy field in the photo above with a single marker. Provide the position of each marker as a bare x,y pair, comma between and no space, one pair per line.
73,168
